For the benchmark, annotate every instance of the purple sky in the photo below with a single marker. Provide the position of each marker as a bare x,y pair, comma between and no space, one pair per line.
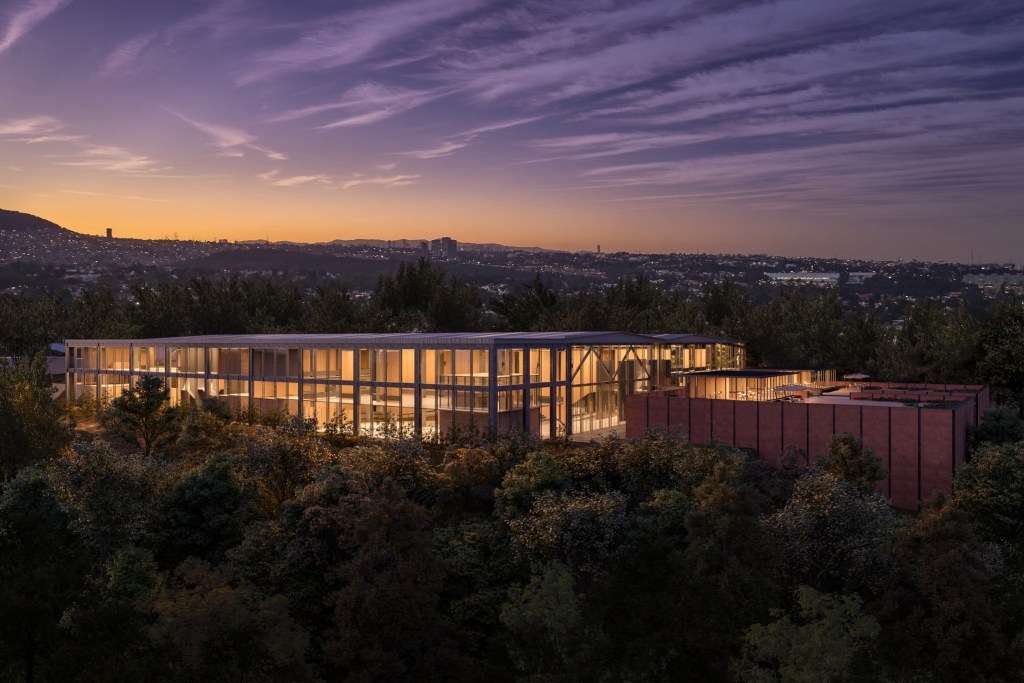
871,128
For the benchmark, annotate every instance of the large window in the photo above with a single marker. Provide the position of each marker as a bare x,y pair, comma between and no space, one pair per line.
275,363
230,361
510,367
149,359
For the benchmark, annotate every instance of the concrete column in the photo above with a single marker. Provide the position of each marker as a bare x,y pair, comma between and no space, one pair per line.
492,391
355,391
252,386
526,390
568,391
302,388
417,355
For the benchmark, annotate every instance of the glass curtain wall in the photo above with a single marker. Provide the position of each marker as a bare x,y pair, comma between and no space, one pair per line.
547,389
229,377
603,376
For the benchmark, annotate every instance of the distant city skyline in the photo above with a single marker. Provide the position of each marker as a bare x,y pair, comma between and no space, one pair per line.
860,129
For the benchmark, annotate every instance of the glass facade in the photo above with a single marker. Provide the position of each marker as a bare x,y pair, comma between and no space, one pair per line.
549,384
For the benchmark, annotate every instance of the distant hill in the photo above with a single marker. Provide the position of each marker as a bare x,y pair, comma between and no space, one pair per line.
25,238
16,221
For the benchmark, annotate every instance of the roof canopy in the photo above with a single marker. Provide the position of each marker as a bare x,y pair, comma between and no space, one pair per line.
792,387
396,340
695,339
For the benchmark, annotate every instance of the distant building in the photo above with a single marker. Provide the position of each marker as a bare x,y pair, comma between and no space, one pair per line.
805,278
858,278
444,247
110,233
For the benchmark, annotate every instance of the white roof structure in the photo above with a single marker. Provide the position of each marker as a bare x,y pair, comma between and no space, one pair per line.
396,340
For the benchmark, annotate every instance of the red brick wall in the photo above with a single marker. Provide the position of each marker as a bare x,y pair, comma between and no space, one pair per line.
723,421
700,419
636,415
876,437
937,451
794,425
746,424
821,428
920,447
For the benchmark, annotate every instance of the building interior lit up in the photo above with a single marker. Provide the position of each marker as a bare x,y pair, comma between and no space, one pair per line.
551,384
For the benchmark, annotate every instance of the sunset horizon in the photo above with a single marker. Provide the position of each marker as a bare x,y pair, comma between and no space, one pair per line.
861,129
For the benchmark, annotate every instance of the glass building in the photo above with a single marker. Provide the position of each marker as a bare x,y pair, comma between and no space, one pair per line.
548,383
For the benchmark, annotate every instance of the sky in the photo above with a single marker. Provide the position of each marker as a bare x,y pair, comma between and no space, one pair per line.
851,128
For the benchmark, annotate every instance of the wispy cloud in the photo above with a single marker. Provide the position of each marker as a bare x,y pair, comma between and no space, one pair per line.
53,138
365,103
79,149
32,125
134,198
217,21
275,178
462,140
351,36
22,21
126,56
230,141
389,181
112,158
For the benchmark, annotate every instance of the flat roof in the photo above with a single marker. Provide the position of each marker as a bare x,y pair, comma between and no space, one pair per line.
753,372
695,339
398,340
846,400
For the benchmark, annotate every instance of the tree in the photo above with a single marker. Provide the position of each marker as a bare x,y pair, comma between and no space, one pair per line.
202,516
832,536
724,304
728,566
163,312
143,414
990,488
480,566
97,314
824,638
330,310
109,495
583,531
936,608
848,458
549,630
526,481
42,569
32,422
467,481
532,309
386,619
212,626
421,297
27,326
1002,351
281,461
998,426
105,631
